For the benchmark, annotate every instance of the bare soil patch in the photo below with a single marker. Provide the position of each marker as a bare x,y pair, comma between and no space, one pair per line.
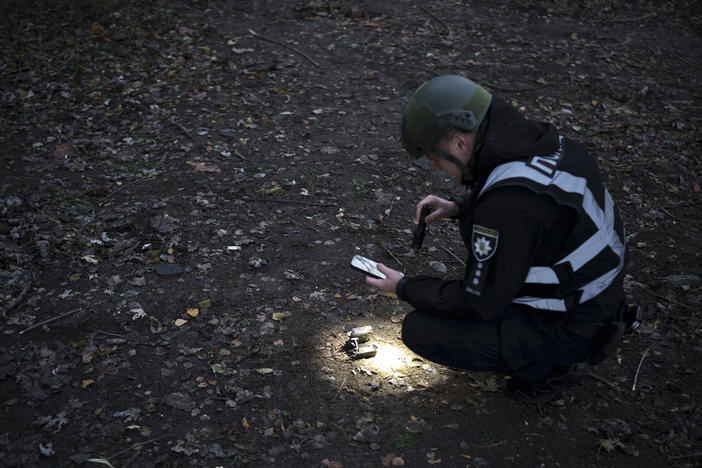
187,181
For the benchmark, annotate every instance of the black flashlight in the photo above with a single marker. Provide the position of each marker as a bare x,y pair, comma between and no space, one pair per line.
421,227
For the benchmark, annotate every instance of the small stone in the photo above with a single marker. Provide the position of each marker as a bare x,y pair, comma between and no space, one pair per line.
179,401
138,281
47,450
438,266
319,442
367,434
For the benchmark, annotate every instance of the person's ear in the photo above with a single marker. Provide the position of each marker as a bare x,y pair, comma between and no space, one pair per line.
459,140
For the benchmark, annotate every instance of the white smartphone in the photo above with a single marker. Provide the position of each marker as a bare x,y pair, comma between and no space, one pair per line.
367,266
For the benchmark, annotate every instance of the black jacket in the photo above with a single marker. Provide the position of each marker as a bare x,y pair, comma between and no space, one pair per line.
523,227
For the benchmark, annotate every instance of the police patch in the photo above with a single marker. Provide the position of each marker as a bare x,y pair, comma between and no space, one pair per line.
484,242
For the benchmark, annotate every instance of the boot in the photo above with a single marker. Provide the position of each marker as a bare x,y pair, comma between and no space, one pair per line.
549,388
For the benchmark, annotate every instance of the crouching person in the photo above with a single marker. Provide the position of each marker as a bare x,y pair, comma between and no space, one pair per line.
542,291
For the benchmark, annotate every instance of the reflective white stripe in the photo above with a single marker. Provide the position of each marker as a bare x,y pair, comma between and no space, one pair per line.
605,236
510,170
603,219
595,287
541,275
516,169
557,305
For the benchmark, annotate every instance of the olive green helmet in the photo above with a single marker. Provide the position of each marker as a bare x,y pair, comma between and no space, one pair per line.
448,101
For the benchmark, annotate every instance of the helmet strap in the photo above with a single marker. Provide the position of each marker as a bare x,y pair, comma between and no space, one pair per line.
466,169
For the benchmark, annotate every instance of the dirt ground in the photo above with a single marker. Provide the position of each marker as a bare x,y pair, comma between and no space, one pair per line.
184,183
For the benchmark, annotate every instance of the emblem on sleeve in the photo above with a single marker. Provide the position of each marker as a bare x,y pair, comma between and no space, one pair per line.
484,242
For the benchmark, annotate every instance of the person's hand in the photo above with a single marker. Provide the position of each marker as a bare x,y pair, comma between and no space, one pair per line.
440,208
389,284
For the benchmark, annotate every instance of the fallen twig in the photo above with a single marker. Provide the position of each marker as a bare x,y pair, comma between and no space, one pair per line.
686,60
682,457
667,299
392,202
396,259
109,333
255,34
628,20
636,377
507,90
105,198
439,20
454,256
18,299
343,382
50,218
592,375
682,220
184,130
138,444
642,92
431,71
290,202
189,135
60,316
141,179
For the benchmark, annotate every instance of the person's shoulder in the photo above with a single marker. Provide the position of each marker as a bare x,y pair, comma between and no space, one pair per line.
515,195
514,200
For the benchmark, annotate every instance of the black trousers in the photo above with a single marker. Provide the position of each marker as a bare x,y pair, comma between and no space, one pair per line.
512,345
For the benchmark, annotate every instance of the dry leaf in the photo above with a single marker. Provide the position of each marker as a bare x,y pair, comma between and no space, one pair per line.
180,322
244,423
392,460
610,445
329,150
280,316
203,167
92,259
193,312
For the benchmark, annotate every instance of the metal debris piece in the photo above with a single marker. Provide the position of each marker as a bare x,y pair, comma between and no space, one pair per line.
362,351
362,334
